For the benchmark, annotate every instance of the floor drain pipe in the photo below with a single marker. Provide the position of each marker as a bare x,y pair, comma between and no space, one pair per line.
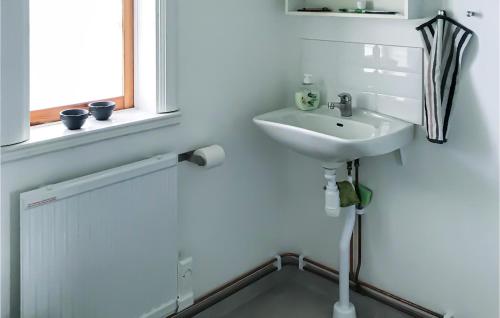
344,308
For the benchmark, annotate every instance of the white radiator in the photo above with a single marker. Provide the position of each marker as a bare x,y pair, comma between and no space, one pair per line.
102,246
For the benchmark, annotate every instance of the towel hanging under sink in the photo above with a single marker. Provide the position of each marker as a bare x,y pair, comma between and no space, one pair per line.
445,41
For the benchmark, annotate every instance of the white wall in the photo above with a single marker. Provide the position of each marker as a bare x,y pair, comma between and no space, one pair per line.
431,234
232,67
433,223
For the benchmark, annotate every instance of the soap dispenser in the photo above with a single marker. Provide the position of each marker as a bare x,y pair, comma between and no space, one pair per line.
308,97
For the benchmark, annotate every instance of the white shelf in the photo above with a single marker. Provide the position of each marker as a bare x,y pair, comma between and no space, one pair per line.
407,9
347,15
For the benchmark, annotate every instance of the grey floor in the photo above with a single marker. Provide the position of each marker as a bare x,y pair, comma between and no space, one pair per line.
295,294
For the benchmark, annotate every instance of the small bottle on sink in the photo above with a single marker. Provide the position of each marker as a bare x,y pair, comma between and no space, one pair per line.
308,98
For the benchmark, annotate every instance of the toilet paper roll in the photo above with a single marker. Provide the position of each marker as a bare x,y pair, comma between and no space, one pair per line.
214,156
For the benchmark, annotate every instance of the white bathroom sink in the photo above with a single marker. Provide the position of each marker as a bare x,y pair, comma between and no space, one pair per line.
324,135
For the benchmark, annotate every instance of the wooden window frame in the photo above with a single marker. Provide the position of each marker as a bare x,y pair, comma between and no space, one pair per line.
48,115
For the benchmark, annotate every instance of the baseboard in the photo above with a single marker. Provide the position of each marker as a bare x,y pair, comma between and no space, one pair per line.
292,259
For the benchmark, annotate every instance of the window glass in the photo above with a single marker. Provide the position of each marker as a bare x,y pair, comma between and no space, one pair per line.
76,51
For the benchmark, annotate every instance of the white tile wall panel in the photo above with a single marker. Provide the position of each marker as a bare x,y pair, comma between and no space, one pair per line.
386,79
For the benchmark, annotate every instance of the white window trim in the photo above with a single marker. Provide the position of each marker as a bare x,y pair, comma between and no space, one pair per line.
156,55
167,46
155,108
14,67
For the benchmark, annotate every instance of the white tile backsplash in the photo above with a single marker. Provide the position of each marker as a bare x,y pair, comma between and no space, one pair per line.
386,79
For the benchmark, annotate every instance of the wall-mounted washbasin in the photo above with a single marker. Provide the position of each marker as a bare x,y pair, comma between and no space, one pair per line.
324,135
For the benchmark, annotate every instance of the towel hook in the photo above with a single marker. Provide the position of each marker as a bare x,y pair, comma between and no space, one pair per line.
470,13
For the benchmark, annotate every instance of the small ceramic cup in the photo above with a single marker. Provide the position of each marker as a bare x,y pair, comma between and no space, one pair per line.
74,119
102,110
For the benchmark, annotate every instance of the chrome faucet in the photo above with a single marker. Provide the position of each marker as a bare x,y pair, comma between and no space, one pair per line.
345,105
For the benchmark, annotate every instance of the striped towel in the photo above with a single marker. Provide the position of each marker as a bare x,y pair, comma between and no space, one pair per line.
445,42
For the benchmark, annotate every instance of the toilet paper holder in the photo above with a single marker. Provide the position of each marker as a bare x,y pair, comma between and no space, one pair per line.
207,157
191,157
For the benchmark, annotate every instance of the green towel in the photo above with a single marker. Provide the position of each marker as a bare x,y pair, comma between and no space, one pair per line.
365,194
348,196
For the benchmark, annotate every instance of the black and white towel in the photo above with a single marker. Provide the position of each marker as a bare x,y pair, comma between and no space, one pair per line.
445,41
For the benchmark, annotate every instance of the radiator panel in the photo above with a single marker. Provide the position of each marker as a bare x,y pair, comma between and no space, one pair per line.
104,245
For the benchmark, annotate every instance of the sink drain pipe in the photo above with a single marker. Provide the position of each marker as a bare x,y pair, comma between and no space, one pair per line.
332,194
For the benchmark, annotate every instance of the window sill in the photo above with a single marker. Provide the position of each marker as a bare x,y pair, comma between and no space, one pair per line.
55,137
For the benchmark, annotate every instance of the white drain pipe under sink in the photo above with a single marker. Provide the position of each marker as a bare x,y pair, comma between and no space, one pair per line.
332,194
343,308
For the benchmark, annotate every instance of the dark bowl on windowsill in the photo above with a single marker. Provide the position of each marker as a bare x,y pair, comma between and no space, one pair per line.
74,119
102,110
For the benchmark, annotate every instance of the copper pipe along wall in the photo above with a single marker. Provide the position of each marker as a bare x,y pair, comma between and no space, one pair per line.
373,288
351,244
292,259
360,227
227,290
351,258
360,239
235,281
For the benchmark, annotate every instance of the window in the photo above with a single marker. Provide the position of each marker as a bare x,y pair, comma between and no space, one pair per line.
80,51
